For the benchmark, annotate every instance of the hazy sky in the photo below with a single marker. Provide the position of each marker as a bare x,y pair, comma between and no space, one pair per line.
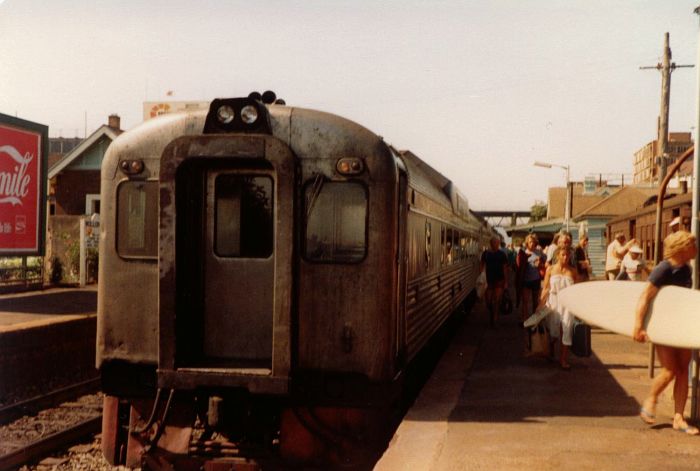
478,89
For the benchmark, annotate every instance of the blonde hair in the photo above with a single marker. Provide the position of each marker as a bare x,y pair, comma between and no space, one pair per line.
677,242
531,237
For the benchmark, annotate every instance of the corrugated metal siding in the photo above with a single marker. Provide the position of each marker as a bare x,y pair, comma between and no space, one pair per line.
432,298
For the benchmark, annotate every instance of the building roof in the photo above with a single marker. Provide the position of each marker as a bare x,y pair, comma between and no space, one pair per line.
624,200
669,202
543,226
103,130
556,200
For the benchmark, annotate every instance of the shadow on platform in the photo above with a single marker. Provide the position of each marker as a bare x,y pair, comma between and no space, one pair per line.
503,385
72,301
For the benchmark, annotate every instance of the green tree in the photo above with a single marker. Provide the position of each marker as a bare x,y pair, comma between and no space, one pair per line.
538,211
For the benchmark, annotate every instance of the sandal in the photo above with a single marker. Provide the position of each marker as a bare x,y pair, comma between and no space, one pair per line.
684,427
687,429
647,415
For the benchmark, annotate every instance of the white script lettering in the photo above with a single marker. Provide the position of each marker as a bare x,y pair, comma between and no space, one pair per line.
14,185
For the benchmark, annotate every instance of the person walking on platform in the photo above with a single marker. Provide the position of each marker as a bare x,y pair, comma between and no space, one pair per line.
633,265
583,262
560,322
679,249
495,262
616,250
563,244
528,279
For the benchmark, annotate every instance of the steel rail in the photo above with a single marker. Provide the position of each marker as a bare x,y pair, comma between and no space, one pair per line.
53,442
35,404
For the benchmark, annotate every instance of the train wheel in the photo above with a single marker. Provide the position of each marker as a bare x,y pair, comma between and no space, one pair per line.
114,435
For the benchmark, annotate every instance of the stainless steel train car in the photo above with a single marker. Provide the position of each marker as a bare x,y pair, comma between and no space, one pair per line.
267,273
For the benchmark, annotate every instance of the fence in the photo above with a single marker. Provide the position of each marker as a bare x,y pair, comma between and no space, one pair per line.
21,273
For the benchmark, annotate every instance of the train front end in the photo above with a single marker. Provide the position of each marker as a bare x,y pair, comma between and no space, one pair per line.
240,303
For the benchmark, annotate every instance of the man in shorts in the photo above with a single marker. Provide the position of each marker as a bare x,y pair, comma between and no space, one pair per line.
495,262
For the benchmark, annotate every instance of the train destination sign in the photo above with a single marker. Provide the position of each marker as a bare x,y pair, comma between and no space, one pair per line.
23,154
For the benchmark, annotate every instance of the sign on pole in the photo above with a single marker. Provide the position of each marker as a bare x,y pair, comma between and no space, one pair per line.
23,157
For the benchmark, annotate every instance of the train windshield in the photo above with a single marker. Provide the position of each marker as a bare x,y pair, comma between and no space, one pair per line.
137,219
243,216
336,222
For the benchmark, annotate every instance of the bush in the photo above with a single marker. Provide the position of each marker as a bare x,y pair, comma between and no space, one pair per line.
56,270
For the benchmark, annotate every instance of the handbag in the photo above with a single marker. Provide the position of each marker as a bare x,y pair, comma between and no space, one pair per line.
506,303
538,341
481,285
581,339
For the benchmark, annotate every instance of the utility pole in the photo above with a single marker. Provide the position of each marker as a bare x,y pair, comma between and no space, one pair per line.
665,67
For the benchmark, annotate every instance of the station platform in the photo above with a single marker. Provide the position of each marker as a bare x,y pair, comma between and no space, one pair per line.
487,406
47,339
36,308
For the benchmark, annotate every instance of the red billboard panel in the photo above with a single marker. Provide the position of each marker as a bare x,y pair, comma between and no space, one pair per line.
22,186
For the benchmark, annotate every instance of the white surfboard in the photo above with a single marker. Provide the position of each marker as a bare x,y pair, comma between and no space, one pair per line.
673,317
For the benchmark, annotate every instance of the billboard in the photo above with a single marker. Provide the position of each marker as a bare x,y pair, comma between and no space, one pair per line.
23,157
153,109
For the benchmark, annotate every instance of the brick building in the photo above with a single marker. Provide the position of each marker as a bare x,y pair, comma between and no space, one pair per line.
646,168
74,180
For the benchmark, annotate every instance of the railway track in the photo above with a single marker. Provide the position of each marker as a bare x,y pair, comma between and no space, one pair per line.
35,404
55,441
31,429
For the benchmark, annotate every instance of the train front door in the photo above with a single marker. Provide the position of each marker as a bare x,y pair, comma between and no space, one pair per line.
239,266
225,304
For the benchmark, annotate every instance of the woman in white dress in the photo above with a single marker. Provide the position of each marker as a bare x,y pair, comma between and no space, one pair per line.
560,322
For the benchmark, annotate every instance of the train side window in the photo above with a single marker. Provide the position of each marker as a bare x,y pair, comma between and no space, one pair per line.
428,244
137,219
243,225
449,250
336,222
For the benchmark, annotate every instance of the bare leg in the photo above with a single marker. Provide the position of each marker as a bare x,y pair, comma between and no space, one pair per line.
664,377
525,303
497,294
563,351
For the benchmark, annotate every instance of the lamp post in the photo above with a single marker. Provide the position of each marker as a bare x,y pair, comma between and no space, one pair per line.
567,209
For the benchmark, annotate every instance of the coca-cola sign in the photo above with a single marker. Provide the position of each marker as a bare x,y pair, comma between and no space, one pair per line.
22,186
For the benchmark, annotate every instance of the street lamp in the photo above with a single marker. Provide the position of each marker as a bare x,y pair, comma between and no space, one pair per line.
567,209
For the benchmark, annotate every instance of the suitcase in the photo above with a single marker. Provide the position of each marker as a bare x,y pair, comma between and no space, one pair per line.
581,341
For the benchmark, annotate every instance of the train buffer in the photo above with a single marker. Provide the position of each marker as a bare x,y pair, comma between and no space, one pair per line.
487,406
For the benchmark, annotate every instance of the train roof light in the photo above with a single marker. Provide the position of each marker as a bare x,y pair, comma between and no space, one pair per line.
249,114
225,114
236,115
350,166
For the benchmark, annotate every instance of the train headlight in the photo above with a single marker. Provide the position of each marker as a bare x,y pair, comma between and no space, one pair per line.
225,114
349,166
249,114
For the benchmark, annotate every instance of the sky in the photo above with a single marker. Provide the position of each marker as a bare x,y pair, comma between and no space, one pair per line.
478,89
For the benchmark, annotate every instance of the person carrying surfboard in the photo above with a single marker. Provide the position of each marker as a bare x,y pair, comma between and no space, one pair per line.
679,249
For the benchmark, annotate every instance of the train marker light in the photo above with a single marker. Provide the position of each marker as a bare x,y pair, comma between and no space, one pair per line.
249,114
269,97
225,114
131,167
349,166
